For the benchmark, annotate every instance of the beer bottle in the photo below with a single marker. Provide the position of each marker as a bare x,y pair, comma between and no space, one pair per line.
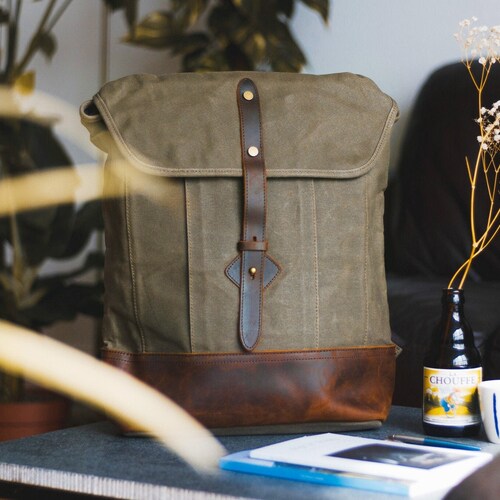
452,372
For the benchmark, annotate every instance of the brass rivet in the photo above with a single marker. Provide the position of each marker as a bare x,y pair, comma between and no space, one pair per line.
253,151
247,95
252,271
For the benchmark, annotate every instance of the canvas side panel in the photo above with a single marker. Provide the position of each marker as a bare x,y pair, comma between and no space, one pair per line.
291,303
214,208
156,222
342,256
119,329
378,309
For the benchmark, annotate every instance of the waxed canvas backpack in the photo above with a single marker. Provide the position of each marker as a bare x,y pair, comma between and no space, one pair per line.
244,272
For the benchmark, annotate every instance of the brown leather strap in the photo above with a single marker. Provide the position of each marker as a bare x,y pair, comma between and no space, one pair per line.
252,245
253,242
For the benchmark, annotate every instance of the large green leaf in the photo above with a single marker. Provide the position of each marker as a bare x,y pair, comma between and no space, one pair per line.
211,59
228,25
187,12
282,51
189,44
28,147
87,221
64,303
53,232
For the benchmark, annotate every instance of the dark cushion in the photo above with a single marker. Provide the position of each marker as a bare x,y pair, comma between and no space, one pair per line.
427,227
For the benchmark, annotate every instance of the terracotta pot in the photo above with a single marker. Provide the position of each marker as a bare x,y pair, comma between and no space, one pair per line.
41,413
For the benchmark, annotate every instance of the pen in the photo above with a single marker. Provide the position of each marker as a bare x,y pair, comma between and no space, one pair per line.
433,442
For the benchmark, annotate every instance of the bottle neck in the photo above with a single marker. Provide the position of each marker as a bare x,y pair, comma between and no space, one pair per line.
453,339
455,328
453,300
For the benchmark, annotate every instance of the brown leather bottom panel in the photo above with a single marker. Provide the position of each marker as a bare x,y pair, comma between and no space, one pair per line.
275,387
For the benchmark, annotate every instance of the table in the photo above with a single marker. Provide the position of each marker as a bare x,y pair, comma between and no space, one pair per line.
95,459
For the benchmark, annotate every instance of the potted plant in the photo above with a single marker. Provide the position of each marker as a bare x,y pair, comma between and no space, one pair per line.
224,35
29,239
208,35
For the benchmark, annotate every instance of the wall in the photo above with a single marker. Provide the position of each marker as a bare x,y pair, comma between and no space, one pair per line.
397,43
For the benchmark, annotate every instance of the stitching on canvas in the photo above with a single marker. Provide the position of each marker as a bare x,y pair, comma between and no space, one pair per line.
190,260
365,284
132,266
316,265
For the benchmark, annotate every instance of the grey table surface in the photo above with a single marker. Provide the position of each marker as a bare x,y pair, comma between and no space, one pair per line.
96,459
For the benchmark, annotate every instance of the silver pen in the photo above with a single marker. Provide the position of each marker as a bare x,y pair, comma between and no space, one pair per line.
427,441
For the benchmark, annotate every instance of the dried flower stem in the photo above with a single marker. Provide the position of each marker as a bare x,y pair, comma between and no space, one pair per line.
483,43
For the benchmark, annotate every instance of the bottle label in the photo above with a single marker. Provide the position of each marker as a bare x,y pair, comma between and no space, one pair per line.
450,396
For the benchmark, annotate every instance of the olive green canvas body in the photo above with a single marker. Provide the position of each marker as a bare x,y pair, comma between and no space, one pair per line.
172,227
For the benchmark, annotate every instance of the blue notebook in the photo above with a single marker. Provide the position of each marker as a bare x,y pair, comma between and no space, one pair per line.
361,463
242,462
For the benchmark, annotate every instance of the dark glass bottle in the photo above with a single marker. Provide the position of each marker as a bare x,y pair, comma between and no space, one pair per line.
452,371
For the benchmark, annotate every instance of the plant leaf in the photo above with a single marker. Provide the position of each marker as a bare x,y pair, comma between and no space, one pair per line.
321,6
155,30
130,7
25,84
64,303
115,4
4,16
47,44
94,261
187,12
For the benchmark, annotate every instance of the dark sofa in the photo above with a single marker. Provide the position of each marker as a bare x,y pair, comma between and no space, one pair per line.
427,227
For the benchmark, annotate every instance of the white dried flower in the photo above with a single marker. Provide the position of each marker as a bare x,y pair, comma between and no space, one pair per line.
479,42
489,121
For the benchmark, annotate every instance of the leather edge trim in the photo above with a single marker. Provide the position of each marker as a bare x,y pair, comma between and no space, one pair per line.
338,352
